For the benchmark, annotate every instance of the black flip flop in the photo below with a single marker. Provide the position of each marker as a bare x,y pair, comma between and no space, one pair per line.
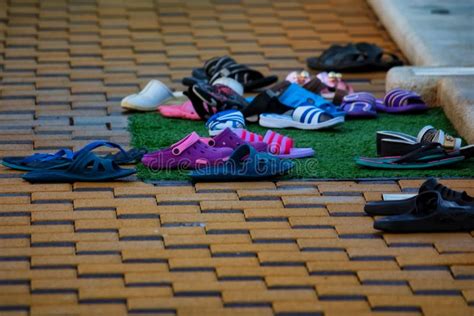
399,207
359,57
209,99
266,102
380,60
425,157
431,213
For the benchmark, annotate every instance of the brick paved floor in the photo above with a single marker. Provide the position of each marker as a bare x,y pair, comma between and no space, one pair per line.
210,249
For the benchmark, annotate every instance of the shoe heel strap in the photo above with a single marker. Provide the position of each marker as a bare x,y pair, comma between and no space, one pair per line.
209,141
184,144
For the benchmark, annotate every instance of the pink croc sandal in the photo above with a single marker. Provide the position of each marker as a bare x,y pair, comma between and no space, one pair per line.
188,153
182,111
228,138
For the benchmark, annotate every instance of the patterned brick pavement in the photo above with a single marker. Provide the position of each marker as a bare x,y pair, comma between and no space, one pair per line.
285,248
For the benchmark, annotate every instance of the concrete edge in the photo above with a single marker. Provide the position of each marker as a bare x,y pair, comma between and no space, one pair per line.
441,91
396,25
458,105
404,78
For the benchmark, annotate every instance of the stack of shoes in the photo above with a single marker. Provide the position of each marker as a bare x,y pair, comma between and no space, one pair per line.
214,94
208,99
284,105
291,105
205,100
194,151
436,208
431,148
223,157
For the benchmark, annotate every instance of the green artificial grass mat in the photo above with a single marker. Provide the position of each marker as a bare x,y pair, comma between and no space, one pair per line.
335,148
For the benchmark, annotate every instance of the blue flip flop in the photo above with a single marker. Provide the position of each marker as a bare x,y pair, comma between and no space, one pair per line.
63,157
84,166
245,164
295,96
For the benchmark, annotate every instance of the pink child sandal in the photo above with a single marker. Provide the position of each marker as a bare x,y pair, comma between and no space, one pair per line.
278,145
182,111
188,153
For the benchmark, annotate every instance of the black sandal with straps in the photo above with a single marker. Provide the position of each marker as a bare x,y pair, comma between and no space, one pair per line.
209,99
359,57
225,66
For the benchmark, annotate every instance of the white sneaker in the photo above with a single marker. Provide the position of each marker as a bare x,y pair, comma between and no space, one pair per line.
154,94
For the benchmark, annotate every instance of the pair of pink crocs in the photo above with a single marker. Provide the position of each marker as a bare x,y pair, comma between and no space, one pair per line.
194,151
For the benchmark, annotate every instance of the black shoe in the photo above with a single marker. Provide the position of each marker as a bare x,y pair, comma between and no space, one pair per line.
404,206
430,214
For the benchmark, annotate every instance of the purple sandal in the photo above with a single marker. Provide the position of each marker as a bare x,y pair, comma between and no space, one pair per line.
188,153
227,138
401,101
361,104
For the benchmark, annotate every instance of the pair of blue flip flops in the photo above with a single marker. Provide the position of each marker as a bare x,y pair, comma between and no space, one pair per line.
83,165
295,96
245,164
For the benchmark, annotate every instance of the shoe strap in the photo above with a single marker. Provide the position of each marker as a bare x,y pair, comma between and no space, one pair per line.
421,152
429,134
400,98
62,153
277,143
308,114
185,143
99,143
247,136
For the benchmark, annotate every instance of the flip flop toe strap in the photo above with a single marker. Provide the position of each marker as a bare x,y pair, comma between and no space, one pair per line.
427,151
